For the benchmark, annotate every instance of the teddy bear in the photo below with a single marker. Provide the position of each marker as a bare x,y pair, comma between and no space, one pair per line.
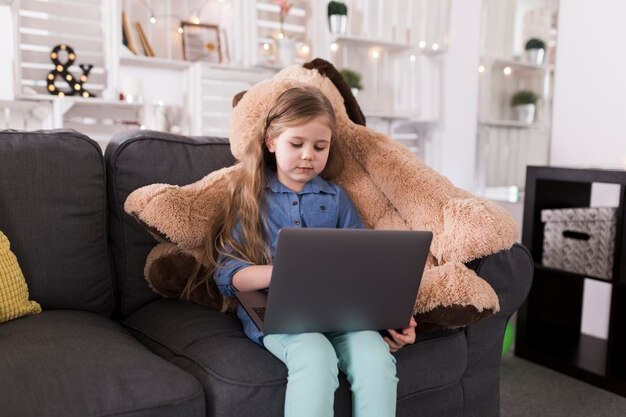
390,187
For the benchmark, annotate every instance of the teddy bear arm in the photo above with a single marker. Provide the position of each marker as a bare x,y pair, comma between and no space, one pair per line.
155,207
473,228
465,227
177,214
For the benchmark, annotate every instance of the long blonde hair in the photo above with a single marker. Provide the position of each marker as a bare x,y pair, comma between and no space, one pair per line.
239,230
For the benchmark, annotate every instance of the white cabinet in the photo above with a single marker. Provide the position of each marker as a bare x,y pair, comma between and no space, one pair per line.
506,145
395,44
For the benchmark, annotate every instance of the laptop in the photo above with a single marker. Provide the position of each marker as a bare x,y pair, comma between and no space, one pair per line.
327,280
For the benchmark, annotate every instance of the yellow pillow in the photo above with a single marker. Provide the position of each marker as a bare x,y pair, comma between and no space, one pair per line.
14,301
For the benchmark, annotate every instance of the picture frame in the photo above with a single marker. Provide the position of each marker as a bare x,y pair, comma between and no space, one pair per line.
201,42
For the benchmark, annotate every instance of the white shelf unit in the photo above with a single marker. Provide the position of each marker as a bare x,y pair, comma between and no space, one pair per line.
195,98
24,114
213,88
505,146
268,31
502,78
42,25
395,46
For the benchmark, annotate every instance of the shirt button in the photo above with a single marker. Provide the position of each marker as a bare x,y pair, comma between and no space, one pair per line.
295,203
296,222
322,207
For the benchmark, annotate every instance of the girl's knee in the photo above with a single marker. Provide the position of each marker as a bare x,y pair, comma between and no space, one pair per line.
372,358
314,356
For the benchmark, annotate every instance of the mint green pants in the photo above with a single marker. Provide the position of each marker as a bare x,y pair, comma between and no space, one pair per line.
313,360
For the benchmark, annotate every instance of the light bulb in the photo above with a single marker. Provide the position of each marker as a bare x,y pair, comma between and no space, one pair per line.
152,19
180,29
412,58
481,68
266,46
422,44
435,46
375,54
305,49
507,70
194,18
334,47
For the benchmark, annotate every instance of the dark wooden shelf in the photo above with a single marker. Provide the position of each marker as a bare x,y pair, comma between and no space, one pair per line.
549,322
584,359
573,275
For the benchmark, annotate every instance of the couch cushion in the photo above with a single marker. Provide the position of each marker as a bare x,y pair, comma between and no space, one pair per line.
53,208
241,378
138,158
70,363
14,302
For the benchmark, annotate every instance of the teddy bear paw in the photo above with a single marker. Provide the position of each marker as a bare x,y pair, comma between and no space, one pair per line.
453,296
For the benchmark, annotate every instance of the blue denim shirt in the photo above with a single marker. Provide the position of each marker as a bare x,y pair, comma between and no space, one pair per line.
319,204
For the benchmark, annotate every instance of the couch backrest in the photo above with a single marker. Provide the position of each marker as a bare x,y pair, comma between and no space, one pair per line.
53,210
138,158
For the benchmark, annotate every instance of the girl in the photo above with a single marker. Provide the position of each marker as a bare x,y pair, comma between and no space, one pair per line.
280,185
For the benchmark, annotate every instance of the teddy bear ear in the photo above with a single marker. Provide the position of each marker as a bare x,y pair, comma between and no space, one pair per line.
238,97
328,70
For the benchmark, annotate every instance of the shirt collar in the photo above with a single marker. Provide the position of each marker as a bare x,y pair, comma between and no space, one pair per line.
315,186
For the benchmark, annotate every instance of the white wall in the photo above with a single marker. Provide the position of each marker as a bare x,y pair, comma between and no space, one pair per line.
6,46
589,111
458,138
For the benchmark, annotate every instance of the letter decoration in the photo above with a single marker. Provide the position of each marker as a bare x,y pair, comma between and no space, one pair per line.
62,70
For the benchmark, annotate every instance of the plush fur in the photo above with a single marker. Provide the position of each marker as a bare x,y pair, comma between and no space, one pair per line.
390,186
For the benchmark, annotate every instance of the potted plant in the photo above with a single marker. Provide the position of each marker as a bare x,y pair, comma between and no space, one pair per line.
353,79
337,17
524,102
535,50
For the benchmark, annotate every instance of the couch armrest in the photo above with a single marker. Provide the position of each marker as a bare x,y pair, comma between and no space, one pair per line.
510,273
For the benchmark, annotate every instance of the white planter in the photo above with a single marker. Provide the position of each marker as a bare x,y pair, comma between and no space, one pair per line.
525,113
338,24
535,56
286,51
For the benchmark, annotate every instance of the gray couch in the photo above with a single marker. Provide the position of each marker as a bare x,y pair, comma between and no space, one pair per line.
106,345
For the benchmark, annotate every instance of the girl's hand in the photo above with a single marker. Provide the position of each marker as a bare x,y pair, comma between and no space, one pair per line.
399,340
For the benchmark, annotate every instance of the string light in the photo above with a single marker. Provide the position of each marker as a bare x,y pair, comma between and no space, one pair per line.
194,17
152,16
422,44
481,68
435,46
375,54
507,70
334,47
412,58
305,49
266,46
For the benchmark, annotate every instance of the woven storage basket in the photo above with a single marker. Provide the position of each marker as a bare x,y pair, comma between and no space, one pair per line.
580,240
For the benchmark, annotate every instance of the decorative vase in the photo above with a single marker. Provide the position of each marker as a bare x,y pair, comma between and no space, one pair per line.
286,50
525,113
338,23
535,56
355,91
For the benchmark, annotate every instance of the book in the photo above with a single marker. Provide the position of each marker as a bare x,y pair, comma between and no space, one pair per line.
127,35
143,38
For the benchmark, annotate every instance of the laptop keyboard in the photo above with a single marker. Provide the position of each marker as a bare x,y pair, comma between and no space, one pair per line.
260,311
